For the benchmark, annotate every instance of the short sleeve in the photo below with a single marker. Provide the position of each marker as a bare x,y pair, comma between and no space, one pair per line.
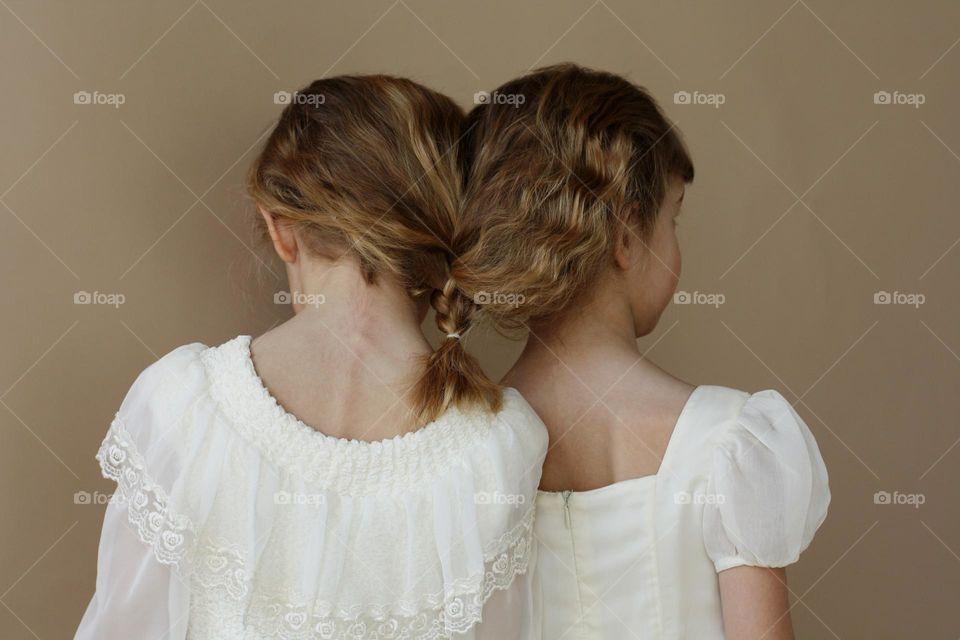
768,487
138,590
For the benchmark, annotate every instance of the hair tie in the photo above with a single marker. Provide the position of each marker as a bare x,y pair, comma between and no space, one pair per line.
454,335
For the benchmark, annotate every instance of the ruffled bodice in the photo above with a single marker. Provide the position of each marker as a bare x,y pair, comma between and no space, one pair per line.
275,530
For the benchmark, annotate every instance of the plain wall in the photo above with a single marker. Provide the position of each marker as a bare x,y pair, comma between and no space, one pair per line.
809,199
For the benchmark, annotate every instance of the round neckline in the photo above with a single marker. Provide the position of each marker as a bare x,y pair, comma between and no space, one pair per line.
351,467
627,482
281,413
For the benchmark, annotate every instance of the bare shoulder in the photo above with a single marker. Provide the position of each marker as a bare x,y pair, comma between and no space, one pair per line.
651,395
604,428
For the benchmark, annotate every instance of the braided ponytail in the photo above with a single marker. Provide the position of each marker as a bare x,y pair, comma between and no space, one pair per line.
452,376
369,165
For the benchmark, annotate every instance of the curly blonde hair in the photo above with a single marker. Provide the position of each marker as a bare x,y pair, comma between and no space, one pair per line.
368,165
555,163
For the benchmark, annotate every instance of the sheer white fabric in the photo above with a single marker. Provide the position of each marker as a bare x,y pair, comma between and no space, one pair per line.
770,485
742,482
236,520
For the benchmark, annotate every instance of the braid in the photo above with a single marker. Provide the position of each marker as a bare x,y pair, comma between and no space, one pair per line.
454,311
452,375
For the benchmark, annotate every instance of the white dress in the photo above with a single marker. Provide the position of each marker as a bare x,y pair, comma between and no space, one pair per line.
234,520
741,483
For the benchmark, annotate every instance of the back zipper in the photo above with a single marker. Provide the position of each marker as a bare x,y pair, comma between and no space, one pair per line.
568,521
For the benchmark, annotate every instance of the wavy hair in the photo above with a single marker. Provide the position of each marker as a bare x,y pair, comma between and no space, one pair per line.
555,163
368,165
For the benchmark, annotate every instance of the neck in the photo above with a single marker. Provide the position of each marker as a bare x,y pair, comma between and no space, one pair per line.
337,300
600,326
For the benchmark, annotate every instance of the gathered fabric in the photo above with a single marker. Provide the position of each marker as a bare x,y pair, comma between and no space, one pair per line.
234,520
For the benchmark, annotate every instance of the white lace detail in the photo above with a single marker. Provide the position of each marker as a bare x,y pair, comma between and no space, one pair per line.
432,617
221,566
168,534
348,467
231,606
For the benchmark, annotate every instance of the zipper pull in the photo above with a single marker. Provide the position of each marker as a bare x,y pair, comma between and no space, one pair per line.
566,507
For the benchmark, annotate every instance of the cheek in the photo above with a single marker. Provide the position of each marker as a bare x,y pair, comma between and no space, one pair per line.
669,276
661,280
671,265
669,282
677,265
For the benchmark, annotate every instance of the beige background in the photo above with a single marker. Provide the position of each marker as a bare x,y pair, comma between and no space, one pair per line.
810,198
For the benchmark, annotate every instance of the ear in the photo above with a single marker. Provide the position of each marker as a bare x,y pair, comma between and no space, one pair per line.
624,247
284,241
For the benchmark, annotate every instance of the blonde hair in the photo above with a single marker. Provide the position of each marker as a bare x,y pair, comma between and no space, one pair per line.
555,163
368,165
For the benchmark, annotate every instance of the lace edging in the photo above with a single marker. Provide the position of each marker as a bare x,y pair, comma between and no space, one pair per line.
445,614
169,534
219,567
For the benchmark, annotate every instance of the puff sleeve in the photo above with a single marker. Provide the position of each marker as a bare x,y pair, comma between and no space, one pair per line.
138,591
768,486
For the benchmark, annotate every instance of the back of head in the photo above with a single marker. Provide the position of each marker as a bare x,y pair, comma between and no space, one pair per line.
555,163
367,165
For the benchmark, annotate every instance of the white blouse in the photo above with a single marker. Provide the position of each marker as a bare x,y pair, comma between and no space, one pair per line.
234,520
741,483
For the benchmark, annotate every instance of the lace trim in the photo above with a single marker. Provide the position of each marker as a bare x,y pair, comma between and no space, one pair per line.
217,569
168,534
435,617
348,467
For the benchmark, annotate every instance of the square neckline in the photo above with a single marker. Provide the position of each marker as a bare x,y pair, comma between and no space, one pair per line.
681,418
